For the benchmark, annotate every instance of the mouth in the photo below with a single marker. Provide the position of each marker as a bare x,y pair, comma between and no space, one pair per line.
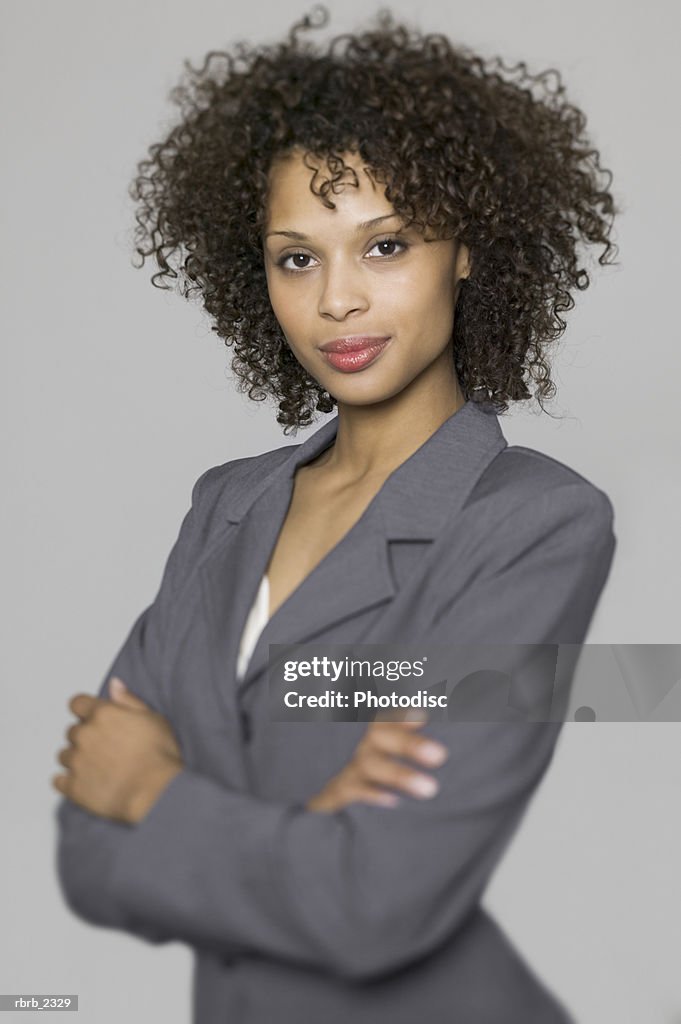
352,354
354,342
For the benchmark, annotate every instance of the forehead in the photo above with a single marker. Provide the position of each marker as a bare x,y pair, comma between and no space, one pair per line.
290,193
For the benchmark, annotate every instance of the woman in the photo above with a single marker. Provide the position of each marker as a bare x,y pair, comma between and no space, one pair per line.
390,229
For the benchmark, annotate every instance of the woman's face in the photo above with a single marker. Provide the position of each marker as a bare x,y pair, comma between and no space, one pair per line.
338,278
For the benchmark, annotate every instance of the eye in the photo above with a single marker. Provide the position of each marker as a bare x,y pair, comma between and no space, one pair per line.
390,241
290,256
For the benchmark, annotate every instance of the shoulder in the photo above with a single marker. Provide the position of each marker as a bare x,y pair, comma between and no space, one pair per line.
240,473
216,494
219,488
537,492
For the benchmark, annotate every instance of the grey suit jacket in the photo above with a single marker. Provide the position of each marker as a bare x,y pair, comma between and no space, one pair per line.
369,914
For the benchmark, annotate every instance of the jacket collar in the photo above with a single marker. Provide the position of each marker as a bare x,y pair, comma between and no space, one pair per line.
426,490
415,503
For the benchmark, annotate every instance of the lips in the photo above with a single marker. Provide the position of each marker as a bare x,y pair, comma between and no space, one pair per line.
352,359
354,343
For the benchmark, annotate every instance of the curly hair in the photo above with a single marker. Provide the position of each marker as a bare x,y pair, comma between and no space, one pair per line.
462,149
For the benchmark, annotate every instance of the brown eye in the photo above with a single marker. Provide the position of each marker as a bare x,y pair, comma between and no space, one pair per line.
297,268
290,256
393,242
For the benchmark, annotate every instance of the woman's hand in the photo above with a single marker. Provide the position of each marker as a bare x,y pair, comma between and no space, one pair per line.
122,755
375,768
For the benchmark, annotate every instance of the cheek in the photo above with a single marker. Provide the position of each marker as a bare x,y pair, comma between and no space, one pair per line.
425,309
290,313
438,302
425,314
421,288
282,302
439,289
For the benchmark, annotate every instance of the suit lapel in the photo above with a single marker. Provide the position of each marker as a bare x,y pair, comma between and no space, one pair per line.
416,501
233,567
352,578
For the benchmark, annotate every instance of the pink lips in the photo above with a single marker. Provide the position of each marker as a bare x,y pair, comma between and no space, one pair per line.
352,354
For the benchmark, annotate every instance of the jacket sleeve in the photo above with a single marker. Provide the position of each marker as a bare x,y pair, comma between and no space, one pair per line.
87,844
367,890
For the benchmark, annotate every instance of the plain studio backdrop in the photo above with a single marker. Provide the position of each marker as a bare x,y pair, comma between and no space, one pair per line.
116,396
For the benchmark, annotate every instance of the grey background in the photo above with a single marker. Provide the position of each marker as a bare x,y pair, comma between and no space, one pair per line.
116,396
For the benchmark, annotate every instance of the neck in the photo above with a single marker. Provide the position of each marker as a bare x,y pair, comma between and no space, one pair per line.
373,440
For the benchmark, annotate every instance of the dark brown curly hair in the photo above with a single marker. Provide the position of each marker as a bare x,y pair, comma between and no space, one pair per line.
463,150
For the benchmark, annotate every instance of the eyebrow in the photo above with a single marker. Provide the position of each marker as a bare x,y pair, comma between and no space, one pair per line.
364,226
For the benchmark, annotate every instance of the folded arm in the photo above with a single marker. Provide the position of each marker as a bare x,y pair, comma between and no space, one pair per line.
87,844
365,890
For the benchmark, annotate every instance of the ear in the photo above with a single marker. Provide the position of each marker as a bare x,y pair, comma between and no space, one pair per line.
463,262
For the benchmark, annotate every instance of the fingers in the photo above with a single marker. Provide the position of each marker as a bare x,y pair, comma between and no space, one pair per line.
377,757
344,791
378,769
400,742
72,733
65,756
373,795
61,784
83,704
120,694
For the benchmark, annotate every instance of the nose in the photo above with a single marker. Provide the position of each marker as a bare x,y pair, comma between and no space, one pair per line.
342,292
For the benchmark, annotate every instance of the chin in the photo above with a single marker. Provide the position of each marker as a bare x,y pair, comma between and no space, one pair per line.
373,393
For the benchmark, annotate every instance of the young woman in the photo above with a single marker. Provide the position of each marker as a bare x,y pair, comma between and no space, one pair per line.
390,229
